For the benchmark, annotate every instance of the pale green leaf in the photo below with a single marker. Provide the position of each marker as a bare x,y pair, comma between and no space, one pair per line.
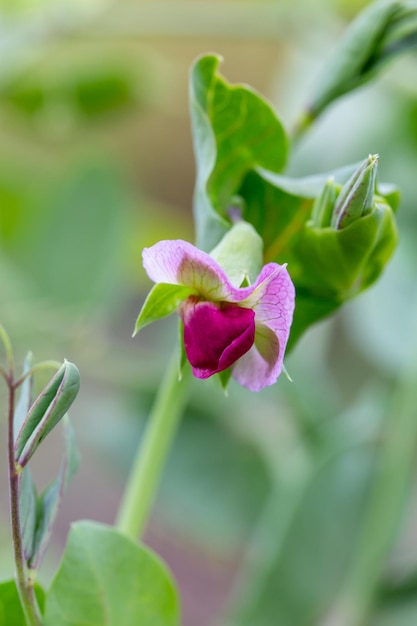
106,579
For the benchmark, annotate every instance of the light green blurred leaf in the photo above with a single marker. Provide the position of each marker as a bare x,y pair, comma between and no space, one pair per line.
106,579
215,484
305,544
71,235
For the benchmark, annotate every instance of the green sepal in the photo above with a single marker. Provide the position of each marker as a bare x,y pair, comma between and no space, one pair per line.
162,300
323,205
240,254
47,410
224,378
330,266
182,356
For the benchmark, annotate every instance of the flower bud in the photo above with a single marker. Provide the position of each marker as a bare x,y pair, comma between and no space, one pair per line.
323,205
357,195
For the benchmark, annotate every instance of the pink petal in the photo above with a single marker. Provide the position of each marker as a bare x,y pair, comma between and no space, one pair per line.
178,262
215,337
273,302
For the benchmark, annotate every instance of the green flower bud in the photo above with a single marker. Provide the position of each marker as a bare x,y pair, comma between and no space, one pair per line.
357,195
323,205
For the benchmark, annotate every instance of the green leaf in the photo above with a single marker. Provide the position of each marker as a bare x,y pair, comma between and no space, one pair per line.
47,410
381,31
25,397
11,613
234,130
162,300
50,499
28,511
106,579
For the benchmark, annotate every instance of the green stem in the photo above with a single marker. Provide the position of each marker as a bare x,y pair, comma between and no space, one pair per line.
24,587
142,483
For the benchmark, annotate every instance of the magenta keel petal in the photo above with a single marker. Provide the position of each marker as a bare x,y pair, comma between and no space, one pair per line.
215,336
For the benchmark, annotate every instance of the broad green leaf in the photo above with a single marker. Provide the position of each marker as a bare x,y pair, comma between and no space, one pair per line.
11,613
383,30
304,544
47,410
162,300
234,130
106,579
50,499
25,397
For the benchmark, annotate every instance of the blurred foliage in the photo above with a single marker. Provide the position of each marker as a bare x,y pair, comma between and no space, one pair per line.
84,185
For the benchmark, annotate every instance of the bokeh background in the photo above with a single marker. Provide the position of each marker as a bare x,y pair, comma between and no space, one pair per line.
268,502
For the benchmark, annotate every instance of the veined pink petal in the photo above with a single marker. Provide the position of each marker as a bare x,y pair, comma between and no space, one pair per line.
178,262
273,302
215,336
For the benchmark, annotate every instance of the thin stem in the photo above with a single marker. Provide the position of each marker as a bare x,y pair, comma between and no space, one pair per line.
140,490
25,589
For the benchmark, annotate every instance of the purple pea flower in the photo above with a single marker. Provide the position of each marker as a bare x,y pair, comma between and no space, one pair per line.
244,328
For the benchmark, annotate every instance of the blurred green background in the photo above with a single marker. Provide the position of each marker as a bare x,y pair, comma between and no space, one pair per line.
285,508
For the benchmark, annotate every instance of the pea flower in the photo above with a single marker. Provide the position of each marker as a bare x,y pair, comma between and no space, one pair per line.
244,328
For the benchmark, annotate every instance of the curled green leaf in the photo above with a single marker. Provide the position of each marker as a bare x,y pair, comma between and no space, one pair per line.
47,410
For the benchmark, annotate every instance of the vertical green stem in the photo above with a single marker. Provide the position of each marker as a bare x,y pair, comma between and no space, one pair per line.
24,586
142,483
